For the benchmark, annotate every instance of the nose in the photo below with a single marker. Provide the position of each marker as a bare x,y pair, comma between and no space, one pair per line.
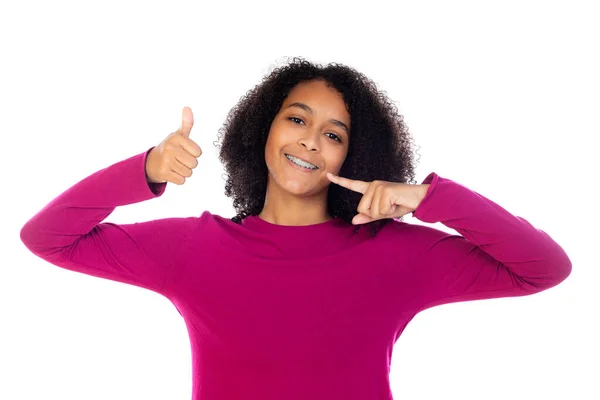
310,141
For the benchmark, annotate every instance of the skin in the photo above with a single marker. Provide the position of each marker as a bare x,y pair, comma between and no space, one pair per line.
295,197
383,199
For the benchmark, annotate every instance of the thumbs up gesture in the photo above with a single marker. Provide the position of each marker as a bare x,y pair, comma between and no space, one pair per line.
175,157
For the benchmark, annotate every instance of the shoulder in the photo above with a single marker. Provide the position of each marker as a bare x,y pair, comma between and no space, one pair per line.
400,244
415,235
214,224
209,219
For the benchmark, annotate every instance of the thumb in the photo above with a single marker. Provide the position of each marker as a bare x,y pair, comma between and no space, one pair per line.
187,121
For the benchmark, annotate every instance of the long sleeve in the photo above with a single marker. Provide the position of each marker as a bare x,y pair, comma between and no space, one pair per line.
498,254
68,231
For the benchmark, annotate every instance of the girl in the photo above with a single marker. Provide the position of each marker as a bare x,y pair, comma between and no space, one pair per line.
290,298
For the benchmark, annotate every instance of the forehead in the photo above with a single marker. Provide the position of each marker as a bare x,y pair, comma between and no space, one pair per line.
318,96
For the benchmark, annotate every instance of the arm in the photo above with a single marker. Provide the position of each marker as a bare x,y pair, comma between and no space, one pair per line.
68,231
496,254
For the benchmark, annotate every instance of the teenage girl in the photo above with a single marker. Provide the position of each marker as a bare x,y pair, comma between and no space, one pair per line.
303,293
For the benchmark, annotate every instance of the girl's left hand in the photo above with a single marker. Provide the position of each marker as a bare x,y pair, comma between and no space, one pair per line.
382,199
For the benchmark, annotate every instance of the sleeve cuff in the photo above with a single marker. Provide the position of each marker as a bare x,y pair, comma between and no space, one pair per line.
431,180
157,189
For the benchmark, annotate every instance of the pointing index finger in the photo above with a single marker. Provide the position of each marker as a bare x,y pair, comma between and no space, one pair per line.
352,184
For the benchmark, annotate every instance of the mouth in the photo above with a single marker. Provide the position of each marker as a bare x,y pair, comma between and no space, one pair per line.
300,163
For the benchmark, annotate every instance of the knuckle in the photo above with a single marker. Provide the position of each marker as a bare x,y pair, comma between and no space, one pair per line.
168,149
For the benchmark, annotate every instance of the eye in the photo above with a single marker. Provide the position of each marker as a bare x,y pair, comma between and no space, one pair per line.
295,118
335,137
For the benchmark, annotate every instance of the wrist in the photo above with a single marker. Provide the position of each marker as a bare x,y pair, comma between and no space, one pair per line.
422,193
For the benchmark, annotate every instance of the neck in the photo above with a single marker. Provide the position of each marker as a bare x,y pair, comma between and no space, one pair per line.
284,208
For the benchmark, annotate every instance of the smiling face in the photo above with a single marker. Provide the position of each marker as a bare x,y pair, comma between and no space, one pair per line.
313,125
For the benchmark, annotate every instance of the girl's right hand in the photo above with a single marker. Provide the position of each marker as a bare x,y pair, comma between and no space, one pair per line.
175,157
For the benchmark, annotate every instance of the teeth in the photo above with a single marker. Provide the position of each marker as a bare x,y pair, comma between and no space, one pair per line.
300,162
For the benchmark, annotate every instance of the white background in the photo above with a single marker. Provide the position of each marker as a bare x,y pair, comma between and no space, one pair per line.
501,97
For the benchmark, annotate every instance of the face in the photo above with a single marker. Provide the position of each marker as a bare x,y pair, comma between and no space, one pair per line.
312,124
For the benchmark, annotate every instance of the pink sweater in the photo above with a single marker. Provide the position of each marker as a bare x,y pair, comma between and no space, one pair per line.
295,312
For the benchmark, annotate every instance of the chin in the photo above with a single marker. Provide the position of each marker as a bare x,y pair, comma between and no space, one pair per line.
299,189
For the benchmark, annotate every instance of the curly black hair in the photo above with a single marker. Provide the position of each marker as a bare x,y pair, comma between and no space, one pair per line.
380,147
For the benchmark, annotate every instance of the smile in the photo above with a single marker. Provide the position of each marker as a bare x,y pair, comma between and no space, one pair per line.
296,162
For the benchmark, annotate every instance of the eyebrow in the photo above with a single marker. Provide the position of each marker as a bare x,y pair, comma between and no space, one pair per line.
309,110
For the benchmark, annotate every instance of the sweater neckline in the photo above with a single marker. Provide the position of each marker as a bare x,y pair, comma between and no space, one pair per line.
257,223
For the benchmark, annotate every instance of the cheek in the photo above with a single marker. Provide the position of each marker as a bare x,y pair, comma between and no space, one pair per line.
337,161
270,150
